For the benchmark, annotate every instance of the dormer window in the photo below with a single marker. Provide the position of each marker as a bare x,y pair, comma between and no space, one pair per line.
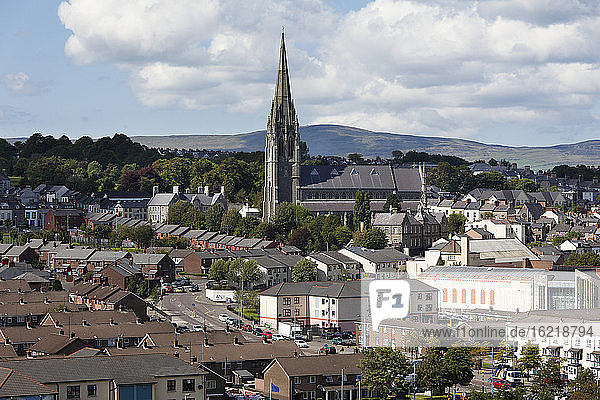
354,172
334,172
314,172
374,172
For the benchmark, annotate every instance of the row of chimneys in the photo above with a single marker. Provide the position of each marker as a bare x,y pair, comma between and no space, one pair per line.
176,190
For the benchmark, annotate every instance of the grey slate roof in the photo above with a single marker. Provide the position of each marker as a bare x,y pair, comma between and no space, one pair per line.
325,289
378,256
14,383
140,368
349,177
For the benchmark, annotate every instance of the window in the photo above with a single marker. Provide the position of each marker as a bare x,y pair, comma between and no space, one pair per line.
312,379
73,392
287,301
419,307
296,300
419,296
171,385
309,395
463,295
473,296
286,312
482,297
492,297
91,389
428,296
296,311
454,295
189,385
445,295
297,380
211,384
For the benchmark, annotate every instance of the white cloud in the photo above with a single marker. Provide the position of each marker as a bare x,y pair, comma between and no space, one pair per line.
21,84
445,67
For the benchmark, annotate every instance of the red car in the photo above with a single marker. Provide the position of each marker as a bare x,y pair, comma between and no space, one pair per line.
168,289
267,335
247,328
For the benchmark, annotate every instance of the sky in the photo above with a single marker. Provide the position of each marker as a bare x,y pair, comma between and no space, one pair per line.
516,72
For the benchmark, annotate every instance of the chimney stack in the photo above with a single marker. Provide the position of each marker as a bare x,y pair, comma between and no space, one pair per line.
154,190
206,192
175,189
223,190
112,321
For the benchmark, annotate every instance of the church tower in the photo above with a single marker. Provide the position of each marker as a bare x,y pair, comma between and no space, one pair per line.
282,150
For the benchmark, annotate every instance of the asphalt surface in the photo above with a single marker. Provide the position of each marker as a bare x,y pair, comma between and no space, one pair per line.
193,308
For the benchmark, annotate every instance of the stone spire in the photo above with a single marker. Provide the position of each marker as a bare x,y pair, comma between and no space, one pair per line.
282,149
283,106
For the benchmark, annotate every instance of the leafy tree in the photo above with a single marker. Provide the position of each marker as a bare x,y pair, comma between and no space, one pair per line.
458,365
487,215
362,210
265,230
214,216
392,203
371,239
243,271
523,184
504,393
139,286
530,358
456,223
300,238
585,386
246,226
304,271
218,270
586,259
491,180
101,231
304,151
56,285
548,383
430,373
356,158
384,369
143,235
454,179
330,224
230,221
342,235
290,216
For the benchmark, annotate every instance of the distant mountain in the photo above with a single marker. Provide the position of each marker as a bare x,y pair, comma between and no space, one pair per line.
341,140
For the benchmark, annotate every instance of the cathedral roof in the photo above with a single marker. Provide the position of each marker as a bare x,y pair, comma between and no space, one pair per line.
360,177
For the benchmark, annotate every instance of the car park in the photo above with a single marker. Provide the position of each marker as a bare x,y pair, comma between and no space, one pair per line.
301,343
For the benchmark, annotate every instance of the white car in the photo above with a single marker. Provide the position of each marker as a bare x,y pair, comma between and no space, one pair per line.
277,336
223,317
197,328
301,343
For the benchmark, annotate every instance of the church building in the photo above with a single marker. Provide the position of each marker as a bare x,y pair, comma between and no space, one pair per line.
324,189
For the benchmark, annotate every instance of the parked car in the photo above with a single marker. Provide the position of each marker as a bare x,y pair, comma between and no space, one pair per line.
277,336
327,335
247,328
301,343
179,289
223,317
182,329
348,335
197,328
257,331
267,335
168,289
194,288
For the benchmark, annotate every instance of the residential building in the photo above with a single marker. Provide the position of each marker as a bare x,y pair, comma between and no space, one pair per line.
381,263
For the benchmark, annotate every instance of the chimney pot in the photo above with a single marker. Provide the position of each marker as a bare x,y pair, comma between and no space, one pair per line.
175,189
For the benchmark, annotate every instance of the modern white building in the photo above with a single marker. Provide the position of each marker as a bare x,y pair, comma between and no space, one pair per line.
476,288
502,228
334,266
384,263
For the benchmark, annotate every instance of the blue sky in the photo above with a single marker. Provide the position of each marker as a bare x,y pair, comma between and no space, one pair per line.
522,72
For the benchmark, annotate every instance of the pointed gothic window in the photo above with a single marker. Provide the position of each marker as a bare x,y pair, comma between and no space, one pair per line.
374,172
354,172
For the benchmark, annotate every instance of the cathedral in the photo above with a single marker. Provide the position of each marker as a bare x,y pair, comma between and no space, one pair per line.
323,189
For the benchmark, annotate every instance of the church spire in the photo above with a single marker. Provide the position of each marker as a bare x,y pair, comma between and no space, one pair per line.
283,95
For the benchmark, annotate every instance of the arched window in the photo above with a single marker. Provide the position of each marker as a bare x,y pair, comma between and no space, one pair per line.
291,149
463,296
454,295
445,295
492,298
482,296
473,295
